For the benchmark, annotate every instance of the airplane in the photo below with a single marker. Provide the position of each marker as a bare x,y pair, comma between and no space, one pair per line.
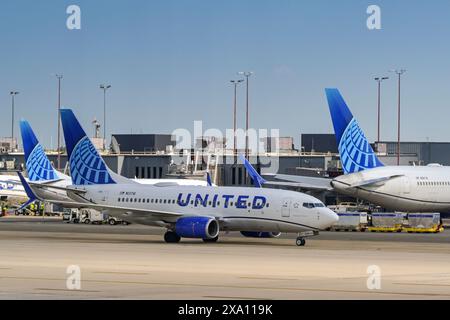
11,188
199,212
42,176
399,188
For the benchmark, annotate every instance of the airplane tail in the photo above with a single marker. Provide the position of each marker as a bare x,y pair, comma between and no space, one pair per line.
37,164
354,148
86,165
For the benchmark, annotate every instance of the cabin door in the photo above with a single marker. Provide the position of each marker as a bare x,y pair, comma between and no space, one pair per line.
286,207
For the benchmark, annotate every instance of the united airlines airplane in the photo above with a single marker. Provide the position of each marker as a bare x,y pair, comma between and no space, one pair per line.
42,176
11,188
187,211
400,188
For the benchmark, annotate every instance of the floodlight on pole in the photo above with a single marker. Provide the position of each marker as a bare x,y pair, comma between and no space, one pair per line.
104,87
399,73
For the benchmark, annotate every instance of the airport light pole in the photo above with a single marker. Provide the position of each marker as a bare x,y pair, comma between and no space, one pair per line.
235,83
399,73
13,94
104,87
247,75
379,80
58,150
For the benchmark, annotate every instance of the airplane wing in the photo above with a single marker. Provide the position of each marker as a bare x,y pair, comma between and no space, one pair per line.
121,210
307,183
366,183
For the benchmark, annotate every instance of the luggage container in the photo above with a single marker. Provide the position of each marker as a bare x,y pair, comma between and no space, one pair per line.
386,222
424,223
351,221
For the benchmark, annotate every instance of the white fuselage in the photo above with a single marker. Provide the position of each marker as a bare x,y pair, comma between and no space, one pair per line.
407,189
10,187
238,209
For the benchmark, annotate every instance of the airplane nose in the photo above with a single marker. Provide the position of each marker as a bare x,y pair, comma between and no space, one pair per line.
329,218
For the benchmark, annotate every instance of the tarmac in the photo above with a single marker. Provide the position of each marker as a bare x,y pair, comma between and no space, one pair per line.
39,255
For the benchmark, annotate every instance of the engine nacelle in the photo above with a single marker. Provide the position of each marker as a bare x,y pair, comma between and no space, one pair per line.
256,234
197,227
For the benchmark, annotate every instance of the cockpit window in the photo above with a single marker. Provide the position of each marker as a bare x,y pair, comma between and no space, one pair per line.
319,205
310,205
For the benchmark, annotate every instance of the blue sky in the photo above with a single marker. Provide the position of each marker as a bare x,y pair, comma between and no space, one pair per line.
169,63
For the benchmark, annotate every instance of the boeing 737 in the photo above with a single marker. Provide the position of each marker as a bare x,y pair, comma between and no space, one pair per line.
400,188
187,211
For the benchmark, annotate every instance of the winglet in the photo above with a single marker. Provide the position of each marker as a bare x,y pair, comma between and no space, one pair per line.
258,181
208,179
30,194
354,149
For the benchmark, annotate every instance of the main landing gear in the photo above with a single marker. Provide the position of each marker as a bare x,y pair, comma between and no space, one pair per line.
171,237
300,242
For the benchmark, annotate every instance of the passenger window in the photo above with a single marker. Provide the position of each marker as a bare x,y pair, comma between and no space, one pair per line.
267,205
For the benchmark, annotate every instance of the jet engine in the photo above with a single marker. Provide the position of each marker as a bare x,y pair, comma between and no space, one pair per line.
197,227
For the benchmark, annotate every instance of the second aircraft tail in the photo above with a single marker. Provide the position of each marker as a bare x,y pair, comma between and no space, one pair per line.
354,149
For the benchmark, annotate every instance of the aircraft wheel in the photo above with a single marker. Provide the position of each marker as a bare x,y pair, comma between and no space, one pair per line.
213,240
300,242
171,237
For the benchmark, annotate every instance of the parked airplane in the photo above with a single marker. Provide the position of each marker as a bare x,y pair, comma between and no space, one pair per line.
187,211
11,188
42,175
400,188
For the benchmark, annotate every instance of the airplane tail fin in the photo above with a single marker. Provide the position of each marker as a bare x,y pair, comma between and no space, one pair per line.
354,149
86,165
258,181
37,164
30,194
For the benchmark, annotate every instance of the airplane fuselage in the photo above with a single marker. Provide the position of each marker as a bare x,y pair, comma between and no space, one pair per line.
237,209
406,188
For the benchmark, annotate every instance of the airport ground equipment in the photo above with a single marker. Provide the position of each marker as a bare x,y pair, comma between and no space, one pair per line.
351,221
424,223
386,222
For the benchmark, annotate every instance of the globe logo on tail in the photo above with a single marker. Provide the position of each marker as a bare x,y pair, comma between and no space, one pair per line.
86,166
39,167
356,152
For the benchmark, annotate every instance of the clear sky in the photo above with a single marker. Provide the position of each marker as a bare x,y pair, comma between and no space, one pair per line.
169,63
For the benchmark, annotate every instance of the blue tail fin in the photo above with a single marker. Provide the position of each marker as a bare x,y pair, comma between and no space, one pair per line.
30,194
86,165
258,181
38,166
355,151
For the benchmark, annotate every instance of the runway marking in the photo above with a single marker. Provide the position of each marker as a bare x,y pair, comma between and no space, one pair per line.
66,290
239,287
119,272
263,278
422,284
